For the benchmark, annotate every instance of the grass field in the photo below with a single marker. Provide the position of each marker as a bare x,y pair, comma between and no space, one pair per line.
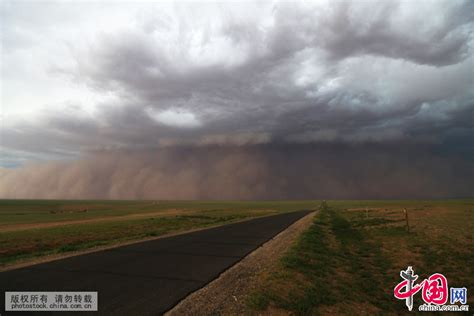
30,229
349,261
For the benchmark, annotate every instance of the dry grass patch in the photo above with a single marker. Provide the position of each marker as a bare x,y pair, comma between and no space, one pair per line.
349,261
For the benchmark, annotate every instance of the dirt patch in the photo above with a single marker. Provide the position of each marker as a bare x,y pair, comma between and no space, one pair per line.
163,213
358,209
227,295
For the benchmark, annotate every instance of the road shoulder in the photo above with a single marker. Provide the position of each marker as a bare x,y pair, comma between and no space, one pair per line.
228,293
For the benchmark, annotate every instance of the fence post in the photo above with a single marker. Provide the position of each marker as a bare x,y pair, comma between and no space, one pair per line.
406,219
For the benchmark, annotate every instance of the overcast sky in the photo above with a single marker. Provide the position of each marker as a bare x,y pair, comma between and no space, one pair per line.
79,77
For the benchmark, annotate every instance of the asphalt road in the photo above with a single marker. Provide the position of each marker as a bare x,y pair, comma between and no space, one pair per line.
149,278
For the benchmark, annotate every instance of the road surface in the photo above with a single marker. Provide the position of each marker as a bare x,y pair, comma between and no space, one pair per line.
149,278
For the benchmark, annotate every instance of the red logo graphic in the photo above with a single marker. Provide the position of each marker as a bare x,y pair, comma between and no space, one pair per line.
435,288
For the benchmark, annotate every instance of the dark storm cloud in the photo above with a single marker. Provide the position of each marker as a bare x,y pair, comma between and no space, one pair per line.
373,79
300,77
416,37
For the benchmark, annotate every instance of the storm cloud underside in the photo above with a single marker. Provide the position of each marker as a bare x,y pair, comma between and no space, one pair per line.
266,100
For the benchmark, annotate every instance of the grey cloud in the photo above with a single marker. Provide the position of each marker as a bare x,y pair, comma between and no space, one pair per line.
374,79
437,40
136,65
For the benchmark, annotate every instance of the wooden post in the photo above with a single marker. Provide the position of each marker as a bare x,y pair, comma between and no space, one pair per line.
406,219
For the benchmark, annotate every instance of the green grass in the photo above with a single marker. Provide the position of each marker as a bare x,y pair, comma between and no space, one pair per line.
108,223
14,212
349,260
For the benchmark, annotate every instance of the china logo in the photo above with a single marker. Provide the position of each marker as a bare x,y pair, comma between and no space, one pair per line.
434,292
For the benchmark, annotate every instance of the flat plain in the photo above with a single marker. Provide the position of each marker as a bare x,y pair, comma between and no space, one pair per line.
150,277
349,260
31,230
